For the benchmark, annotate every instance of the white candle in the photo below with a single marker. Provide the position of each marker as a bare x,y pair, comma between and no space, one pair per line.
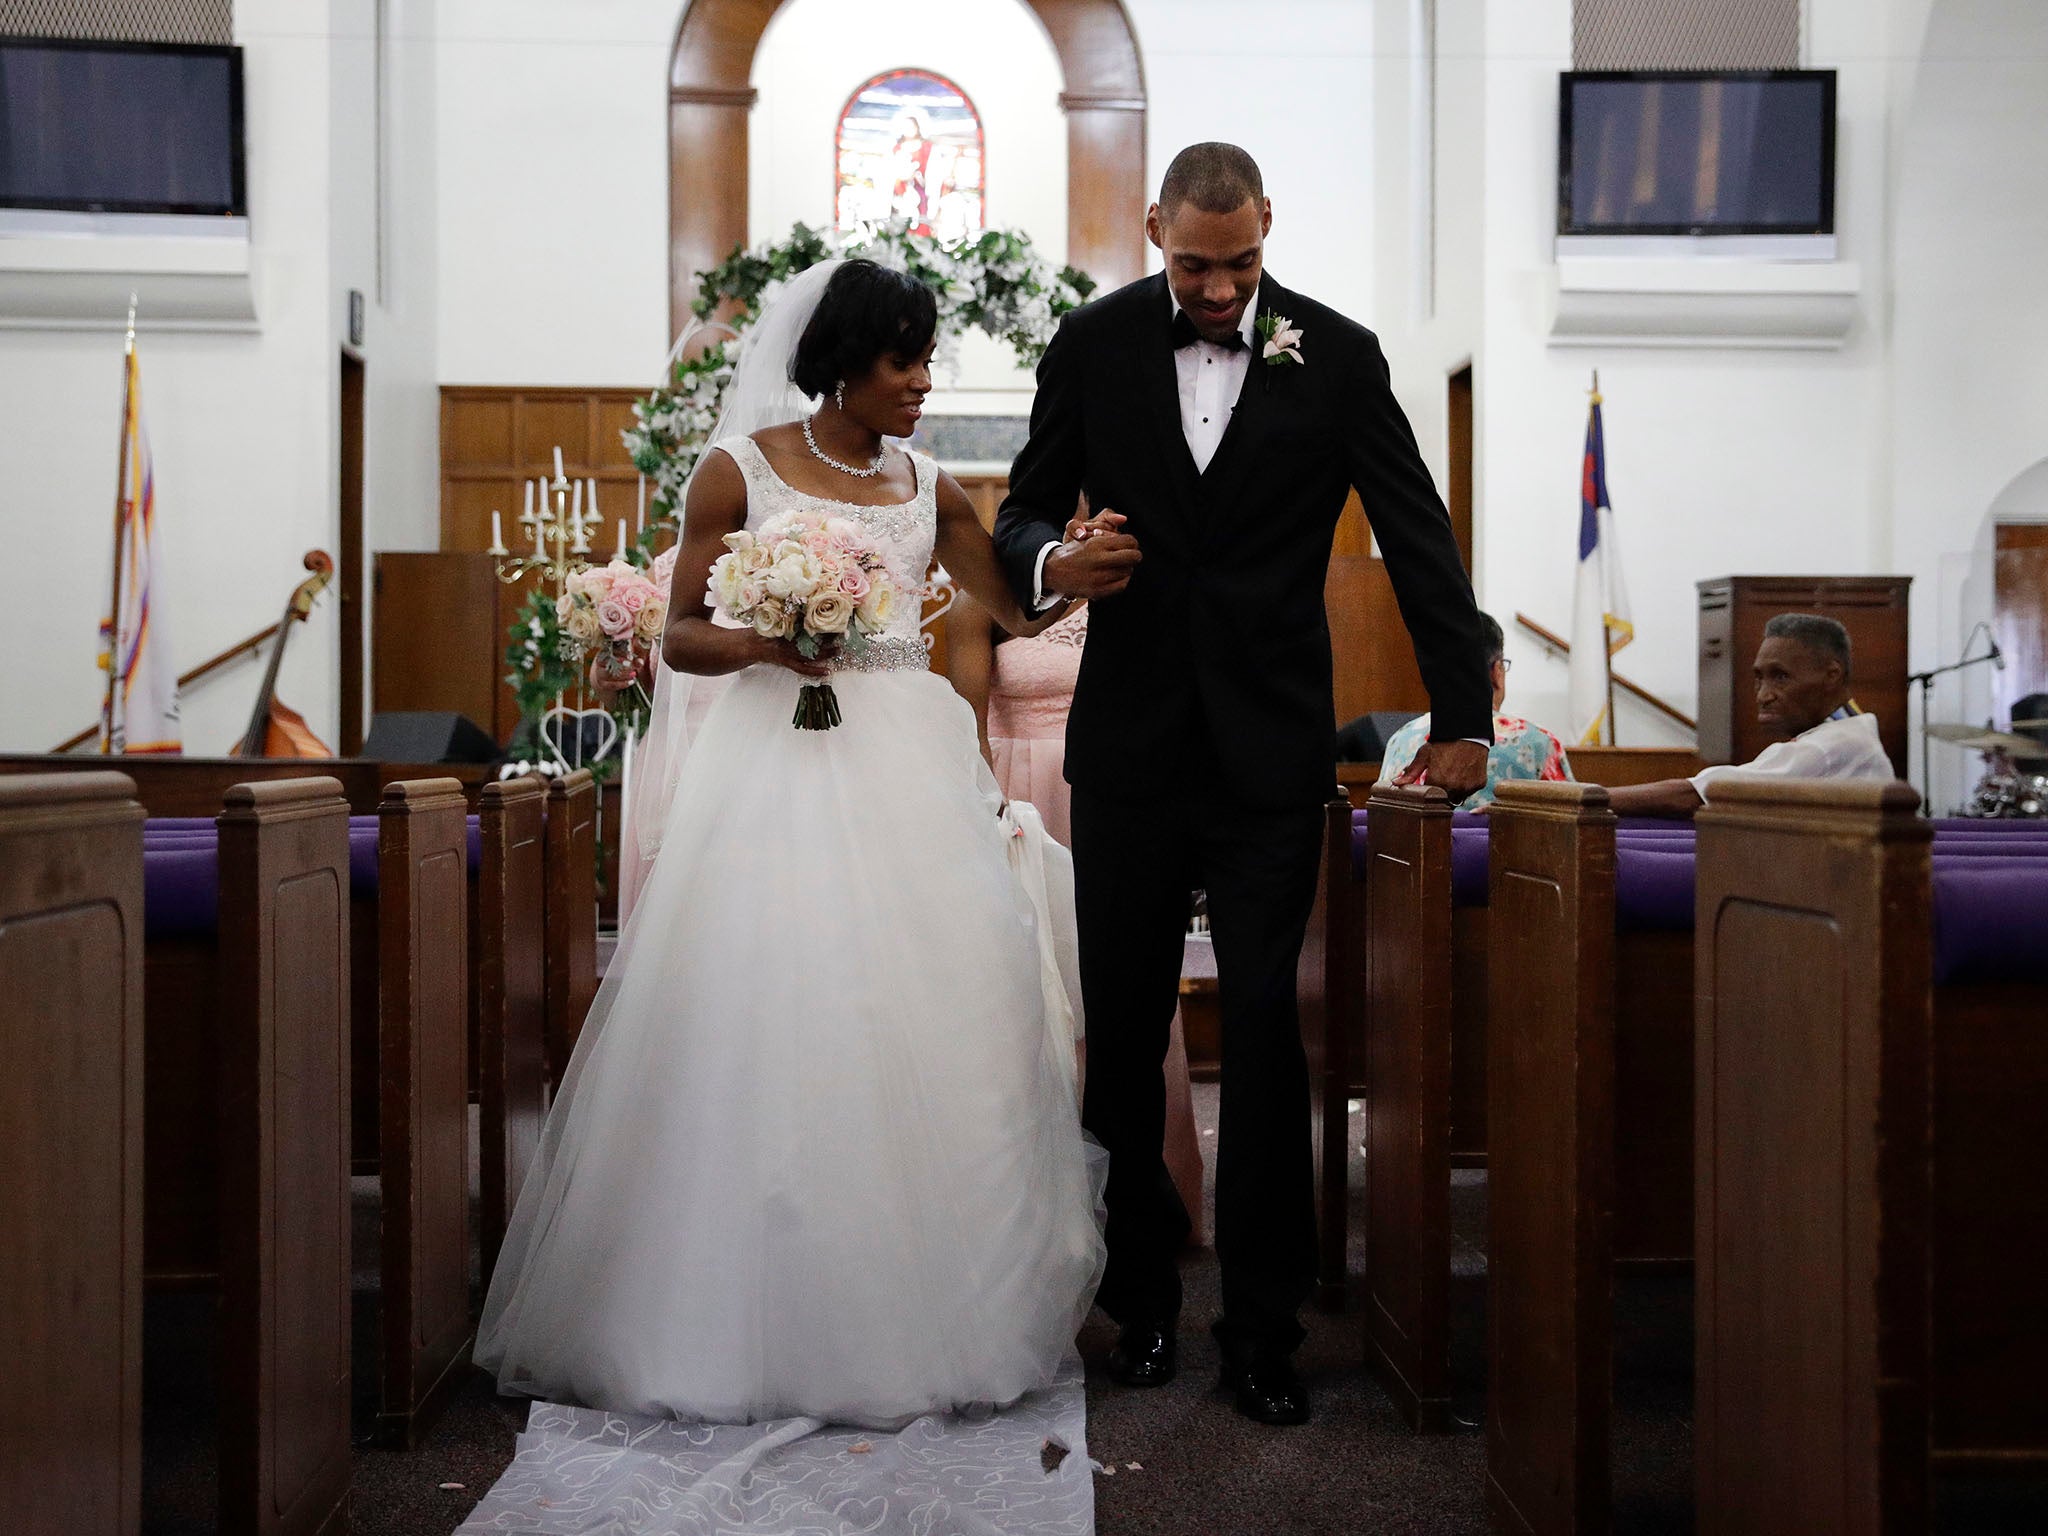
528,517
576,506
497,534
539,544
622,540
558,461
640,509
593,501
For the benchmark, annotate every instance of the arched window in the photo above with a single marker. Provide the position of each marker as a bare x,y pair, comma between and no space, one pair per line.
910,147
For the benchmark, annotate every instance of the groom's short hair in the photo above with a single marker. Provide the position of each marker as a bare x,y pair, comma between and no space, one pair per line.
1216,178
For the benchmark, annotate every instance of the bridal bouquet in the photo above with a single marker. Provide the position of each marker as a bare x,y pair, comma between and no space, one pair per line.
614,612
815,580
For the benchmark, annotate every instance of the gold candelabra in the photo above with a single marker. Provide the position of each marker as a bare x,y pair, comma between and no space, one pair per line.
559,529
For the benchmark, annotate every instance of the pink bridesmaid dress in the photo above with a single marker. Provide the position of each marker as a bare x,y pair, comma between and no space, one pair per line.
1031,686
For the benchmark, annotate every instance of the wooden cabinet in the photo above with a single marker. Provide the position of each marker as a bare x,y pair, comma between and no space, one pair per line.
439,641
1733,612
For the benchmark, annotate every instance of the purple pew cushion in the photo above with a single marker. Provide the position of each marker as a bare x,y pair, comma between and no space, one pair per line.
180,891
1470,866
1990,920
1653,890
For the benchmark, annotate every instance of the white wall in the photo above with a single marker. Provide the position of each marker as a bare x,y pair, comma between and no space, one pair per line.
552,187
1721,460
816,53
1291,81
1970,319
240,426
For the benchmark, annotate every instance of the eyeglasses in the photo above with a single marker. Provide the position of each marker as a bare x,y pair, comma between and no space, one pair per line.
1504,663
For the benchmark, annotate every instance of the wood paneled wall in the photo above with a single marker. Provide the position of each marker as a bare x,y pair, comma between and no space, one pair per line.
493,438
2021,611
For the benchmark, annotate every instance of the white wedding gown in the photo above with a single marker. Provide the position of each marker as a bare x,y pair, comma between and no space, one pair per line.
817,1152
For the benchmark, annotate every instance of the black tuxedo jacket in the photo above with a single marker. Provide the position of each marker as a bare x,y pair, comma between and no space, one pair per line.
1220,646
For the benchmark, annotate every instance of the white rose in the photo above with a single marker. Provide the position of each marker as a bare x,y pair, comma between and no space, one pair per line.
829,614
582,626
651,621
770,618
877,606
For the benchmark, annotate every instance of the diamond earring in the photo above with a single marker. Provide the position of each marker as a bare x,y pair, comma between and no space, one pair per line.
839,394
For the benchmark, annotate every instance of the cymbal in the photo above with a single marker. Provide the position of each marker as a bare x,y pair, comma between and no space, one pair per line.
1981,738
2031,727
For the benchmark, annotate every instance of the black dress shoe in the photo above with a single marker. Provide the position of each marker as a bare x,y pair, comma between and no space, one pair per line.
1144,1356
1266,1389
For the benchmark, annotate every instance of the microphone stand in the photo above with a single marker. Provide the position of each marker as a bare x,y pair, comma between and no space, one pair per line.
1926,683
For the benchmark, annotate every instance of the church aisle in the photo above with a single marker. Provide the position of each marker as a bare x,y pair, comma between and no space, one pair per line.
1201,1470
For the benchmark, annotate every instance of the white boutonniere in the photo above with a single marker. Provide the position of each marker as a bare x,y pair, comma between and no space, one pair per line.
1283,339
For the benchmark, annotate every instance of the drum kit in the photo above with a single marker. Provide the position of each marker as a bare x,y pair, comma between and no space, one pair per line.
2014,782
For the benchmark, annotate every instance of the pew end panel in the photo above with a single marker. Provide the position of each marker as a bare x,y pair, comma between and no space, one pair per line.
511,999
1550,1162
423,974
1408,1101
1812,1087
71,1118
1329,989
571,859
284,1193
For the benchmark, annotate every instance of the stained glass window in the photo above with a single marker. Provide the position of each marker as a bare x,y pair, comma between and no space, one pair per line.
910,148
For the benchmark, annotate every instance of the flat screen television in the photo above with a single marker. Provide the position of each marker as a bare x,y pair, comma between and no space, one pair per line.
1681,152
121,127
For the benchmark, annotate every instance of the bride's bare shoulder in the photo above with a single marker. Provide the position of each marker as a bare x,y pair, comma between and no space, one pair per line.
783,438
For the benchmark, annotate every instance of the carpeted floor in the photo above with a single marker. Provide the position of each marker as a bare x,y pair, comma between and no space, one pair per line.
1200,1470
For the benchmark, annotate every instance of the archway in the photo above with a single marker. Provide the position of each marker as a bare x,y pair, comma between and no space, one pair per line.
710,95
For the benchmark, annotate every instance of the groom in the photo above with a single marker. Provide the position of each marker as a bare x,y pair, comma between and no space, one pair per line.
1200,744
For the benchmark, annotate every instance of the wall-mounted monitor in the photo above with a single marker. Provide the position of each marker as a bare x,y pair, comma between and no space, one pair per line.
121,127
1682,152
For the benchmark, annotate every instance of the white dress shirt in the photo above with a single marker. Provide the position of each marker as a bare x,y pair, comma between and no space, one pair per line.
1843,746
1211,378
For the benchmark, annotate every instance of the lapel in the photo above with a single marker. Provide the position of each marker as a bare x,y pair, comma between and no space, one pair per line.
1160,384
1255,400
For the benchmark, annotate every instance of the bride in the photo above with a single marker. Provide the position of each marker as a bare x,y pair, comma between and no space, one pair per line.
817,1151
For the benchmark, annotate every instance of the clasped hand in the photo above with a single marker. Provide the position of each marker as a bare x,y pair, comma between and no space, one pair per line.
1096,560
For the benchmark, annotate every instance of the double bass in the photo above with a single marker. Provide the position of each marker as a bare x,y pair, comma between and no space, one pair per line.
275,728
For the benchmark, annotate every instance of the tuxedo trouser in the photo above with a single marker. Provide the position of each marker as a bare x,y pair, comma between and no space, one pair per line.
1135,862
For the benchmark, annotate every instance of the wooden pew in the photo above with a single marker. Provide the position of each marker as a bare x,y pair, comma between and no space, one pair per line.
511,999
1407,1083
246,1061
1329,992
422,905
571,860
71,1114
1550,1121
1870,1167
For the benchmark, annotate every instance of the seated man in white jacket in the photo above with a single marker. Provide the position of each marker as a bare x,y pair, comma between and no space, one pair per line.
1802,689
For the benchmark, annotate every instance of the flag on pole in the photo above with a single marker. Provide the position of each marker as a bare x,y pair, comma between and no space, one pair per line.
144,697
1600,617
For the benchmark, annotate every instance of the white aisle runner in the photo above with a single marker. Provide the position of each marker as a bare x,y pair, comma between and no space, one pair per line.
590,1473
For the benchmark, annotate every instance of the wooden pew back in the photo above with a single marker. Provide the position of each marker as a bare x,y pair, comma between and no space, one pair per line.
1328,988
284,1196
71,1113
422,909
1408,1096
1550,1166
511,999
1813,1042
571,853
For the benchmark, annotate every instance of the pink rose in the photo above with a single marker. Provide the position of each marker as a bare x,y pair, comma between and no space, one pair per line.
854,583
614,619
630,595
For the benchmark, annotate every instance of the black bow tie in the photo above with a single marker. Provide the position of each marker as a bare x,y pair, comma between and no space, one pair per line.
1185,335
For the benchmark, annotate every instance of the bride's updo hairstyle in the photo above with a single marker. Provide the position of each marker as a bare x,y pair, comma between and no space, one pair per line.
865,311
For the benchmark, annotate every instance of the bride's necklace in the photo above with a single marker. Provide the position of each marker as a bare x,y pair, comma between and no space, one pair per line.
845,469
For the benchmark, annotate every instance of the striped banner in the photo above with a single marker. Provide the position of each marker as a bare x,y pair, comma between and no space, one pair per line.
145,712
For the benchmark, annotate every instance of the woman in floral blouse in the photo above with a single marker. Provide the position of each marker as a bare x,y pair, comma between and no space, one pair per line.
1520,750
